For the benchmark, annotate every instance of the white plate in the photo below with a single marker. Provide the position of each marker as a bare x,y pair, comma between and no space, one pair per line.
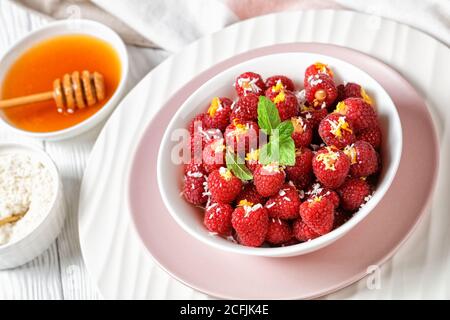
114,256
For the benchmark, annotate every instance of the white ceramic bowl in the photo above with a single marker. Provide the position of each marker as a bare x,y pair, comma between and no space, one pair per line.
170,175
47,228
64,27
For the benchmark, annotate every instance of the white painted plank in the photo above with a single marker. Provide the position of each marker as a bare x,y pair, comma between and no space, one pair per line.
40,278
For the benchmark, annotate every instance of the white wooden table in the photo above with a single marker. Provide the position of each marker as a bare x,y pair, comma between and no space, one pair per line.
59,273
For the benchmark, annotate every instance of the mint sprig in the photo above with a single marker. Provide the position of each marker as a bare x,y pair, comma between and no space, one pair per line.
237,166
268,117
281,146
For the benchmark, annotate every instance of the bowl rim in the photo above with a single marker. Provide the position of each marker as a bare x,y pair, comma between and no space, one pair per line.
30,150
118,45
303,247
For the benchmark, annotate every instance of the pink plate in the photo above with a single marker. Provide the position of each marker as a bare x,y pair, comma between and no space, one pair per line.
371,242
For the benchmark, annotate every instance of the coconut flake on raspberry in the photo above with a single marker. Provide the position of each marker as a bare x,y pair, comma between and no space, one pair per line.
249,85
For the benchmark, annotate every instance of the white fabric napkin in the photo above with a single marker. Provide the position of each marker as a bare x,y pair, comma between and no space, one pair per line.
172,24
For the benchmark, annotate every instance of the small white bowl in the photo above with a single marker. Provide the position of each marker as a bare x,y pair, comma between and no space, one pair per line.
65,27
293,65
22,250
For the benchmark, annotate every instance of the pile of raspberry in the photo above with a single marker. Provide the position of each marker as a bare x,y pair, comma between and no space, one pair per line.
337,138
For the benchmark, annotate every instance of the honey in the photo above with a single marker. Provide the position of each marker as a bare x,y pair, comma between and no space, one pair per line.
36,69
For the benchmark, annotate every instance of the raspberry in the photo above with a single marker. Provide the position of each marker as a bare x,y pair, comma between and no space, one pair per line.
193,166
246,109
199,140
242,136
218,114
252,159
320,91
251,223
354,193
303,182
313,116
330,167
199,123
336,131
317,190
285,101
302,166
353,90
318,214
340,217
278,232
363,159
314,69
302,232
214,155
249,82
371,135
268,179
223,185
278,80
250,194
302,134
358,112
195,188
284,204
218,218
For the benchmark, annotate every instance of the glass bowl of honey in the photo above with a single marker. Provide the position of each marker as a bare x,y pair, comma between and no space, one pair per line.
32,64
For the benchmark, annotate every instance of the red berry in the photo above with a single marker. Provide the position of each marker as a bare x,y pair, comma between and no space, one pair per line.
302,232
303,182
224,185
331,167
285,101
218,115
252,159
194,166
320,91
284,204
278,232
353,90
242,136
245,109
198,141
214,155
251,223
317,190
371,135
250,194
302,166
318,214
314,69
363,159
354,193
218,218
199,123
268,179
336,131
340,217
249,83
359,113
313,116
285,82
195,188
302,134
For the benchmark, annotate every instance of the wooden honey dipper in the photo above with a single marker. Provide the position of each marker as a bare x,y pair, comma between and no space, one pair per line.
73,91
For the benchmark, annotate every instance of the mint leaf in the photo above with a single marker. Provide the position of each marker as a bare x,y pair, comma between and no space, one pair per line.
285,129
270,152
237,166
287,151
268,117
